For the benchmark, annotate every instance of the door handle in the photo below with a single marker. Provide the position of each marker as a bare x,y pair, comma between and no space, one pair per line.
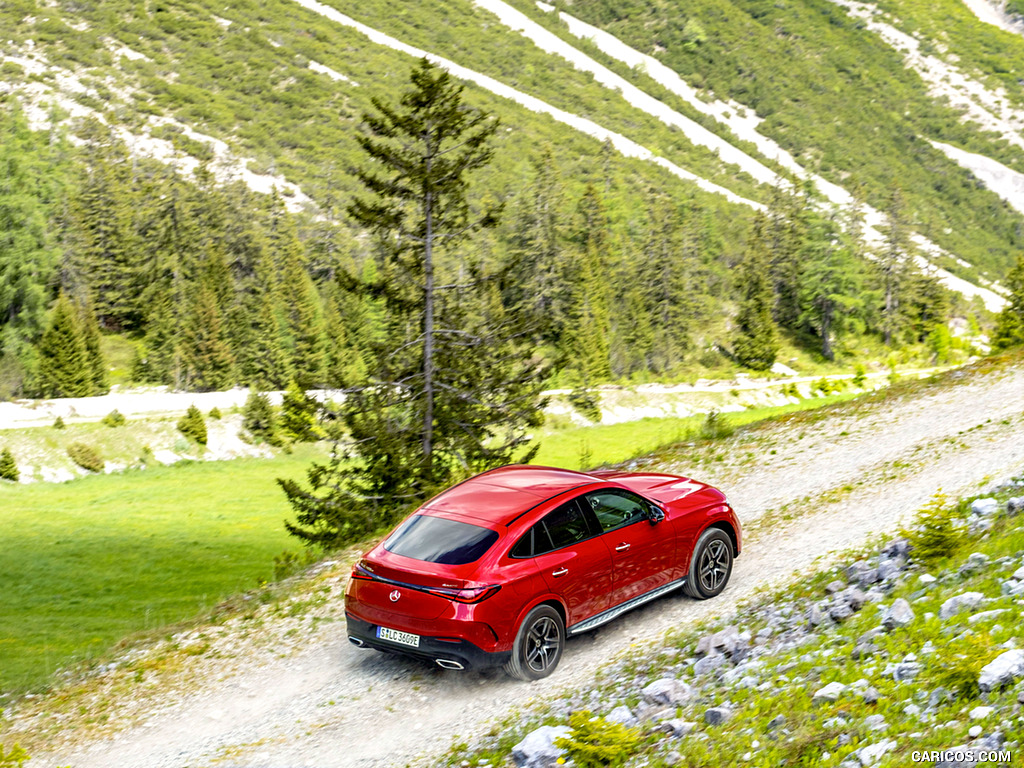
622,547
560,572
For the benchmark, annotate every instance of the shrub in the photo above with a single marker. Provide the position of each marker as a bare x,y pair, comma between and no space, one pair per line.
192,425
936,532
715,426
59,423
8,468
959,664
215,413
298,415
13,759
114,419
596,743
587,403
86,457
258,418
859,375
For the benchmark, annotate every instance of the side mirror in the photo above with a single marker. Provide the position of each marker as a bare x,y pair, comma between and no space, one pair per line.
655,514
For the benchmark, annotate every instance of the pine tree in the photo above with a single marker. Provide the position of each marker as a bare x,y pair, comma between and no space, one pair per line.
64,365
895,269
454,383
305,315
1010,324
91,337
206,354
8,467
105,263
831,287
29,183
786,236
299,415
193,426
755,344
590,312
259,419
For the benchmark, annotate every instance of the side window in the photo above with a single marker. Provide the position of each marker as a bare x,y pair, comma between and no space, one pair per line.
565,526
559,528
616,508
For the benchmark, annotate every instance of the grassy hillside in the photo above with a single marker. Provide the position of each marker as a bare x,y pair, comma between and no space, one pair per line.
837,97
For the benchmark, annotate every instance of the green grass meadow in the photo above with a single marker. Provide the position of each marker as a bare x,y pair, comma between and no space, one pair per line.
88,562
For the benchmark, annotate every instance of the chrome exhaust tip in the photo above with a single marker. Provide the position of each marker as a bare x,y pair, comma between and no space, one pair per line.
356,642
448,664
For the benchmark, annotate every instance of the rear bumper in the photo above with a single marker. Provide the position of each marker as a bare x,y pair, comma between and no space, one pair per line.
460,652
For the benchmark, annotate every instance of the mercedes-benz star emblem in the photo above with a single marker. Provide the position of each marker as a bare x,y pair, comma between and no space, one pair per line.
395,595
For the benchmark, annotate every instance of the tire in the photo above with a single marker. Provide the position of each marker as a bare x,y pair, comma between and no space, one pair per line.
711,565
538,646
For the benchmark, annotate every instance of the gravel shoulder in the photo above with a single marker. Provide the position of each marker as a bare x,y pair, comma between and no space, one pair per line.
280,685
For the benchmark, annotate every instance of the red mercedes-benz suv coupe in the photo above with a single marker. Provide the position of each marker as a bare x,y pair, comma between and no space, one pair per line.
501,568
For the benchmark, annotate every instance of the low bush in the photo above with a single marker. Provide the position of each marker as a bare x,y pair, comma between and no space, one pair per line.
59,423
13,759
259,419
596,743
936,531
86,457
192,425
8,467
715,426
215,413
114,419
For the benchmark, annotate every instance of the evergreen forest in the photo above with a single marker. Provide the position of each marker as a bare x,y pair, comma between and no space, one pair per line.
626,272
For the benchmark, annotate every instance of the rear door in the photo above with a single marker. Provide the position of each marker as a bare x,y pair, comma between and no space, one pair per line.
643,553
572,558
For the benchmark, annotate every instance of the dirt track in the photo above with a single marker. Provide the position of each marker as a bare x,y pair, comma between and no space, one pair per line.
326,704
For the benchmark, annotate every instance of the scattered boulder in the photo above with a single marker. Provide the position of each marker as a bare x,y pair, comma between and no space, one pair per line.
871,695
899,614
959,757
889,569
985,507
537,749
726,641
1018,574
897,548
926,578
776,722
976,562
980,713
966,601
985,615
667,690
835,586
622,715
1015,505
677,727
872,753
717,715
815,616
937,697
905,670
828,693
709,664
1004,669
840,611
875,723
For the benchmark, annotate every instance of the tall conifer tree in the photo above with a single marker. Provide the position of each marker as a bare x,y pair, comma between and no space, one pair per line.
755,344
1010,324
64,366
454,384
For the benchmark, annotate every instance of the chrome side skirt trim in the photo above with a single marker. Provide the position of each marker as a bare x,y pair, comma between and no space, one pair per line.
613,613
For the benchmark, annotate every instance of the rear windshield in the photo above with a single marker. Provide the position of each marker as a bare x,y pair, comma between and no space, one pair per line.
437,540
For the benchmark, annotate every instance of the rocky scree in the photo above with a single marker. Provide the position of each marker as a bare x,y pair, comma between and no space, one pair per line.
855,667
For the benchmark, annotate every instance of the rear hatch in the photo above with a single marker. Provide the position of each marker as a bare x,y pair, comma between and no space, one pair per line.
421,568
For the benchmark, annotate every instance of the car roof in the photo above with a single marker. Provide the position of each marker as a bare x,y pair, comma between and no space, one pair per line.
501,495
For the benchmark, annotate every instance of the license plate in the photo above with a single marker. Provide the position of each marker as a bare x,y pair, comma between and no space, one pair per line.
405,638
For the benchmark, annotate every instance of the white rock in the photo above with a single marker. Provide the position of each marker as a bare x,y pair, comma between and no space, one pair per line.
872,753
830,692
538,748
926,578
980,713
967,601
974,732
1002,670
984,507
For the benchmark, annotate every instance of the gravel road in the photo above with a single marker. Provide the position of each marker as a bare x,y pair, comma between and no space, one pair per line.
293,693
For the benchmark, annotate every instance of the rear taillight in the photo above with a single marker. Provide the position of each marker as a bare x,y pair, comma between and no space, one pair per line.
466,594
360,571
